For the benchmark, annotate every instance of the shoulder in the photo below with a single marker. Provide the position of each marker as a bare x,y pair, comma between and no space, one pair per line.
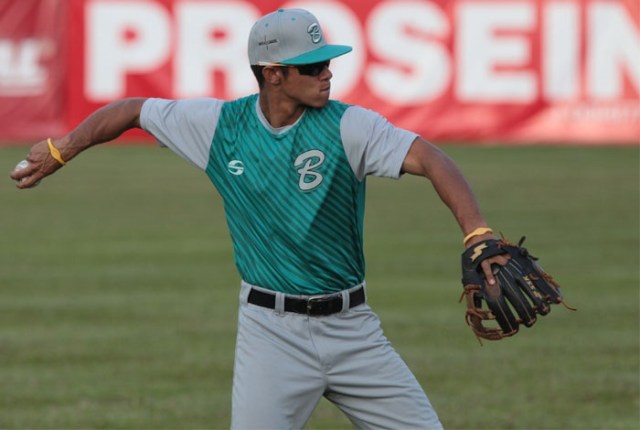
358,123
360,116
156,109
195,103
241,103
373,144
238,111
186,126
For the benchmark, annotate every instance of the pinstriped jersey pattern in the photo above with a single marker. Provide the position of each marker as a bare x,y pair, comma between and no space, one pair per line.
293,205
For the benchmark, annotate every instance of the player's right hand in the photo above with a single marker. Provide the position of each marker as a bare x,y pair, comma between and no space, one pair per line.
40,165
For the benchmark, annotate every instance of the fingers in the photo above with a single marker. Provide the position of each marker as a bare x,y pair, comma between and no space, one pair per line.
25,174
488,272
38,164
501,259
490,268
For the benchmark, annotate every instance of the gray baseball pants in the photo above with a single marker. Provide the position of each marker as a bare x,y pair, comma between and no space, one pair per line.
285,362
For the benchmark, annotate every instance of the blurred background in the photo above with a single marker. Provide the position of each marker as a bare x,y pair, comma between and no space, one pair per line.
118,290
527,71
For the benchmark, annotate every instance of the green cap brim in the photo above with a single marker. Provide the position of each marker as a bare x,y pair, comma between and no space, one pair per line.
327,52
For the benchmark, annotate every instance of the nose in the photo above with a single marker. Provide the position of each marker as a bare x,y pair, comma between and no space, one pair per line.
326,73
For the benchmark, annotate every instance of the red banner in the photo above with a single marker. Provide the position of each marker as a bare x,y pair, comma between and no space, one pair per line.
32,68
561,71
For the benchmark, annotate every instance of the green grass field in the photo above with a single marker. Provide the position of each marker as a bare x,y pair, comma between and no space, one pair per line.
118,292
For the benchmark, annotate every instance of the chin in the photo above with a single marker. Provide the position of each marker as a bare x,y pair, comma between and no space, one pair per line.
320,101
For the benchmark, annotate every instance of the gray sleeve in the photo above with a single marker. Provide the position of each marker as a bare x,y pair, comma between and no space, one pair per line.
373,145
185,126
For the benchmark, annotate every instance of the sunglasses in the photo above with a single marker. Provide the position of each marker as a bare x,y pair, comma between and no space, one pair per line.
313,69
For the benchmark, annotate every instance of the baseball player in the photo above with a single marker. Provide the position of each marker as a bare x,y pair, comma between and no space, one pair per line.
291,165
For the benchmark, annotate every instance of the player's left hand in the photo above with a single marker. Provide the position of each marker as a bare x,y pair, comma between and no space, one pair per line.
521,291
40,165
487,265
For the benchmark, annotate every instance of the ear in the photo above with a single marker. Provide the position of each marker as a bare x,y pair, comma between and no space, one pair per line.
272,75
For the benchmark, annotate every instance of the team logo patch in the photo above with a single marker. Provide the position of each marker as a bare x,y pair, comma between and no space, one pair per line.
235,167
315,33
307,161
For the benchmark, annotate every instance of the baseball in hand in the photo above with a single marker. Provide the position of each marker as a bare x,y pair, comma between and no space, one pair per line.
22,165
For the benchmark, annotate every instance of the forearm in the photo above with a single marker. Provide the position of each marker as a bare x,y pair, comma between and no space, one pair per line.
425,159
103,125
456,193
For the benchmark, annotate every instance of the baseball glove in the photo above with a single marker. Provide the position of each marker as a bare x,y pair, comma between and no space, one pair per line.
523,289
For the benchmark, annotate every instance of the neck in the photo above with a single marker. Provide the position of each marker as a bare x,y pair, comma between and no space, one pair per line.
278,111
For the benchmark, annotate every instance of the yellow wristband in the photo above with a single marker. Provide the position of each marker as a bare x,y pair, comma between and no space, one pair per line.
477,232
55,153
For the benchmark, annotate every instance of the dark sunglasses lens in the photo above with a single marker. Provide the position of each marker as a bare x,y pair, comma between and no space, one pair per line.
313,69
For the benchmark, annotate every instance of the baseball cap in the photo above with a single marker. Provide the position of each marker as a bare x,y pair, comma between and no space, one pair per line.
290,37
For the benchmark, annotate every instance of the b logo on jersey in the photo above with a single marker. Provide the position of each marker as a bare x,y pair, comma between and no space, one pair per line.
307,161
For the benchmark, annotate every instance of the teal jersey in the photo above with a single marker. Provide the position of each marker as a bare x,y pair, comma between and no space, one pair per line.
294,197
293,204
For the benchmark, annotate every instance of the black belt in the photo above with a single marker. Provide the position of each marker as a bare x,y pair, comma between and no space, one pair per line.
313,306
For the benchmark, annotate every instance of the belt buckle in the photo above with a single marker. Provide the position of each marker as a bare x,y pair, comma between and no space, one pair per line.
315,304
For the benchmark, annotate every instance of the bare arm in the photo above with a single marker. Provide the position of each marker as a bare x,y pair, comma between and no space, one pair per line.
103,125
427,160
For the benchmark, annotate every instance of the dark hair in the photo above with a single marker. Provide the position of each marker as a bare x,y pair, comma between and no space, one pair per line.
257,72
